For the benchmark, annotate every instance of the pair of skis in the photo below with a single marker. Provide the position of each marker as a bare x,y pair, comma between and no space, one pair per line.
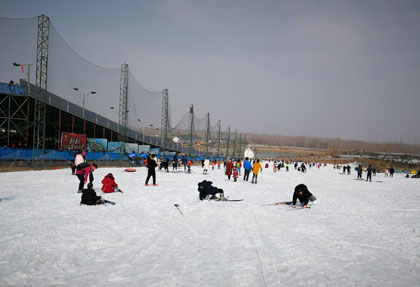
289,203
108,201
220,199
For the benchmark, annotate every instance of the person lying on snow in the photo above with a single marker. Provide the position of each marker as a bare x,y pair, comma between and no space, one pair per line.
208,192
89,196
109,185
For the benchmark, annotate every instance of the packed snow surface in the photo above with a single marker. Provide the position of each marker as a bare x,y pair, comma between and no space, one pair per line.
357,234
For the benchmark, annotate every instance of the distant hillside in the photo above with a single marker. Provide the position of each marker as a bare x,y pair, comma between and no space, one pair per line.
332,145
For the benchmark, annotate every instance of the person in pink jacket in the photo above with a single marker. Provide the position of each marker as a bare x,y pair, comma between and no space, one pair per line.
83,174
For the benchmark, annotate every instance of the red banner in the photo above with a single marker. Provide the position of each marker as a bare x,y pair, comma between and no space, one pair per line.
71,141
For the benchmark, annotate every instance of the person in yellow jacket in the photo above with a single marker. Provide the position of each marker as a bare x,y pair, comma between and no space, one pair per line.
255,169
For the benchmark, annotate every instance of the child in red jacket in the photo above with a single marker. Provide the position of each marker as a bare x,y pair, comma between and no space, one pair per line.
109,185
235,174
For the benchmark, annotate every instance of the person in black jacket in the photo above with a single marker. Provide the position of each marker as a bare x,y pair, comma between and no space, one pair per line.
369,173
359,171
391,171
302,193
151,165
89,196
208,191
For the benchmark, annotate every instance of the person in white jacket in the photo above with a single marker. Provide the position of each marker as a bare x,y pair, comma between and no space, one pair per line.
206,166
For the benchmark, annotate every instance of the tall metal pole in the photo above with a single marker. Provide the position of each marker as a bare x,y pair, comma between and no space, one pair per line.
218,139
191,127
41,84
234,143
228,142
240,146
122,114
208,134
165,123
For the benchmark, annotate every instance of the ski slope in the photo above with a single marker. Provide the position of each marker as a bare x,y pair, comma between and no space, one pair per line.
358,234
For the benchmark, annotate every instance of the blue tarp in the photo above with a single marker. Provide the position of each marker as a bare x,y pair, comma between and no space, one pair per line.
13,90
27,154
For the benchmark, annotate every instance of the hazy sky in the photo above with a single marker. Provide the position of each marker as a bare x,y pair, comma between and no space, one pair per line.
347,69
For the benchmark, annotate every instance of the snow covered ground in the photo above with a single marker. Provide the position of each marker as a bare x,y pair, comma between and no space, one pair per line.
358,234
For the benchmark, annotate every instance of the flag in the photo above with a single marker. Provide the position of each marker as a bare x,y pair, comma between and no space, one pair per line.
22,69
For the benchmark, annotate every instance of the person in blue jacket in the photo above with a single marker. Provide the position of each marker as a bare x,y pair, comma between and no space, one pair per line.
247,168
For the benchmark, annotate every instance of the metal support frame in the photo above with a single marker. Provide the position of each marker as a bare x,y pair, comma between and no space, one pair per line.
165,124
191,127
122,118
14,119
41,88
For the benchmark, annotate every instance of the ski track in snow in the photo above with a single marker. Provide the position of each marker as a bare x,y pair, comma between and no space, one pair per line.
357,234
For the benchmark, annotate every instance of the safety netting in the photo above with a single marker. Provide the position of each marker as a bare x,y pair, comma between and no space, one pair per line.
18,45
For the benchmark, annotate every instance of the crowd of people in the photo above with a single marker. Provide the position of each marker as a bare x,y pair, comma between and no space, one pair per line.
232,169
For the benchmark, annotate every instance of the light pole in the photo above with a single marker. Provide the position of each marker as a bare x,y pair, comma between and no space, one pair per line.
84,95
28,75
139,120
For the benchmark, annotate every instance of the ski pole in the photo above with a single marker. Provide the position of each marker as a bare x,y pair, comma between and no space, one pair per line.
177,207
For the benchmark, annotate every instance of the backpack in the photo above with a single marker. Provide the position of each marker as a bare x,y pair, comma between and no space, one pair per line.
82,165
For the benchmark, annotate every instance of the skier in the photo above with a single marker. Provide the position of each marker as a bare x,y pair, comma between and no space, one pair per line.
151,165
235,174
391,172
247,168
79,159
189,166
175,163
109,185
255,169
238,166
369,173
207,191
229,167
359,171
302,193
184,162
83,173
89,196
206,166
